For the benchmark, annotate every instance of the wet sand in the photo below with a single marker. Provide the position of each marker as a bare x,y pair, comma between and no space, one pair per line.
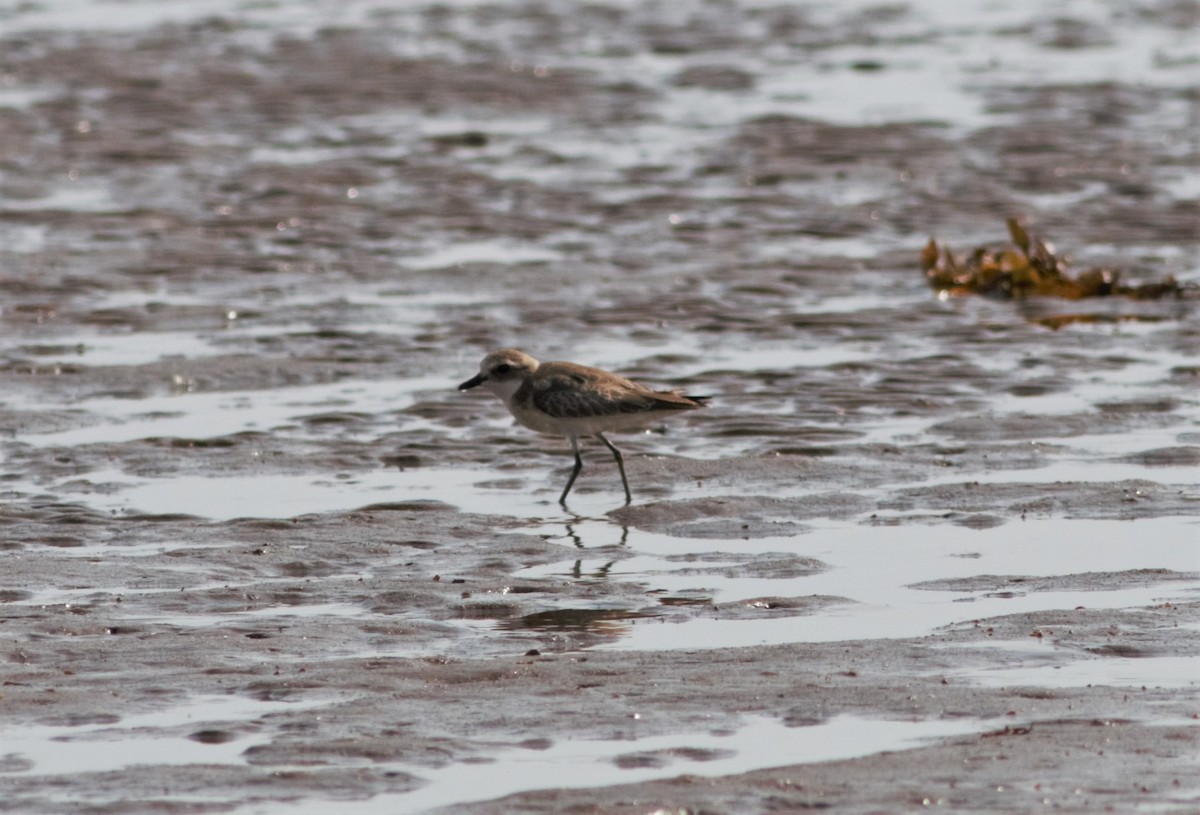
260,557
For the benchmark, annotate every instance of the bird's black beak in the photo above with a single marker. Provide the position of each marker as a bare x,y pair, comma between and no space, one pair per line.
473,382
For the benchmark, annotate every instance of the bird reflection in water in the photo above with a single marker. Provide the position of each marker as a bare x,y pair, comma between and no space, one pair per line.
578,572
572,532
600,622
592,534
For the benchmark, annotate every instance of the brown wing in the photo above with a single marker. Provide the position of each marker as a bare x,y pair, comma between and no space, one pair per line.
576,391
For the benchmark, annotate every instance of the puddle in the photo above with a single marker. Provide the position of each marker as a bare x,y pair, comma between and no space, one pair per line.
1143,672
482,252
97,15
271,495
78,197
140,550
1084,471
286,496
875,621
157,738
225,329
271,614
757,744
122,349
876,568
274,496
209,415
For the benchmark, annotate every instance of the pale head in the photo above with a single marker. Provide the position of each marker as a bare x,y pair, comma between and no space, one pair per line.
502,372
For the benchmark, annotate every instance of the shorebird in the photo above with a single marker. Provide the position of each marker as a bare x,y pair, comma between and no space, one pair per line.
566,399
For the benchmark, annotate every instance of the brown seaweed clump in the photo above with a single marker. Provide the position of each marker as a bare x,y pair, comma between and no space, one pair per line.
1030,268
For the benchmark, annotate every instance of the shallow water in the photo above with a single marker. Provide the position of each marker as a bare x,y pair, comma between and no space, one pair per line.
249,250
1153,672
754,744
165,736
879,569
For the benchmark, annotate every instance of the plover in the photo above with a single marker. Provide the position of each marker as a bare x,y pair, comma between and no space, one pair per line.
571,400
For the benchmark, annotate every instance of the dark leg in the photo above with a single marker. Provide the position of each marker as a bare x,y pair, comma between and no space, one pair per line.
620,466
562,499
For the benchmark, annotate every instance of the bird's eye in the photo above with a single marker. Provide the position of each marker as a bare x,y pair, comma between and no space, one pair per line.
503,368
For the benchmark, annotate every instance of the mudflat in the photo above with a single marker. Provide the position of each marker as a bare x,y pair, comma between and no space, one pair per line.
921,551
